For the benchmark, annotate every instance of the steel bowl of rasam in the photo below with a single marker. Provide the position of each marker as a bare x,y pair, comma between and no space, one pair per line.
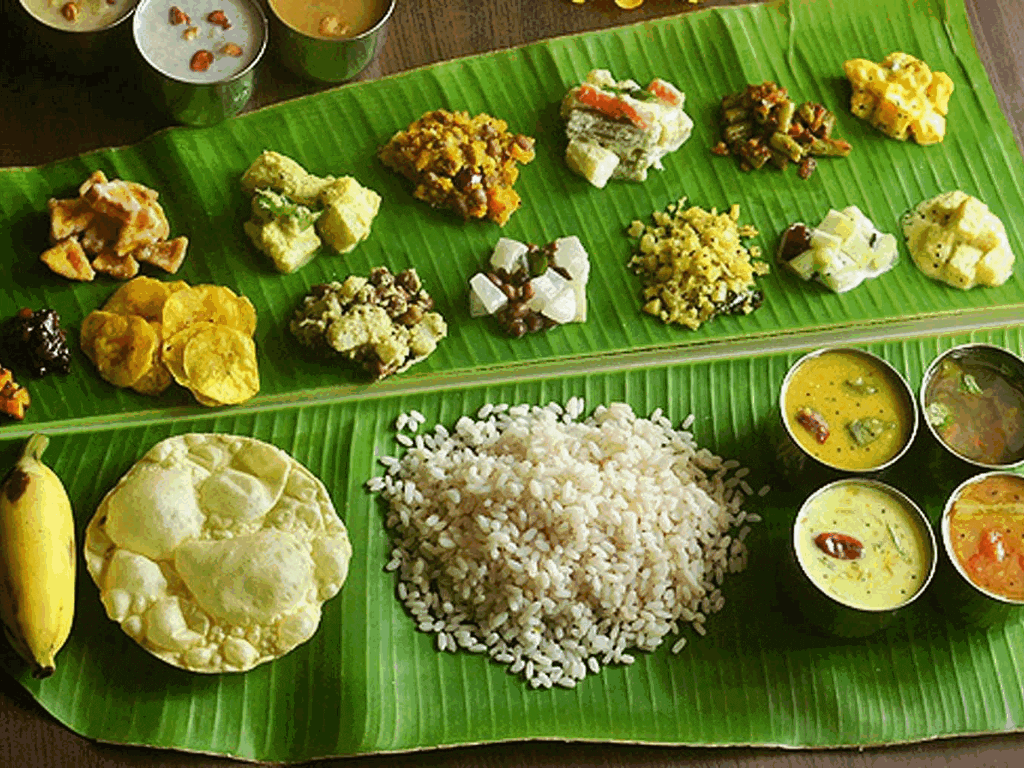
201,62
841,411
981,572
972,398
329,41
861,551
81,37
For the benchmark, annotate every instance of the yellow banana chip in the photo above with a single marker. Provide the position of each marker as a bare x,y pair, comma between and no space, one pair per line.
174,350
209,303
220,365
144,296
121,346
150,334
158,377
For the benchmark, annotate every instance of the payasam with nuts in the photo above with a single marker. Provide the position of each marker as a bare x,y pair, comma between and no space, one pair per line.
216,552
694,265
111,227
467,164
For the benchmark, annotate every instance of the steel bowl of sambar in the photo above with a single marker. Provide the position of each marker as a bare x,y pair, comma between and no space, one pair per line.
842,412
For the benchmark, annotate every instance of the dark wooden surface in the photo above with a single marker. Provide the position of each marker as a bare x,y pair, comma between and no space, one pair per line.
45,116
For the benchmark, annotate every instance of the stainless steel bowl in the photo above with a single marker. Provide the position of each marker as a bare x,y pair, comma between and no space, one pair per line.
328,61
200,104
86,52
955,592
801,469
808,600
986,355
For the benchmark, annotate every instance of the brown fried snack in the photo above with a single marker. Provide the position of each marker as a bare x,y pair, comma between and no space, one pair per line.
114,224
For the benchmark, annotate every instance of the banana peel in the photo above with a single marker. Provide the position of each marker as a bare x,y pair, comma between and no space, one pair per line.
37,559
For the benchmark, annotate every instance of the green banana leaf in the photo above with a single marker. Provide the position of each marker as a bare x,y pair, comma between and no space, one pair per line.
368,682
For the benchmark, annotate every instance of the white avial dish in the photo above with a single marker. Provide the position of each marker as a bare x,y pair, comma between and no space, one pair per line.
171,48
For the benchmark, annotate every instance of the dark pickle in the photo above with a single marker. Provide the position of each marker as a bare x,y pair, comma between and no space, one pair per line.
36,342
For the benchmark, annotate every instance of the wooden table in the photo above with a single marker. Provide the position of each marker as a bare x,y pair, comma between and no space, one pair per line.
46,117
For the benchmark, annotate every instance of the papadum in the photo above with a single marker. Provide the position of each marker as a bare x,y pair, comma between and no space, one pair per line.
216,552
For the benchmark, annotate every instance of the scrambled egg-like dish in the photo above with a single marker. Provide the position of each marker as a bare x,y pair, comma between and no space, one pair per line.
901,97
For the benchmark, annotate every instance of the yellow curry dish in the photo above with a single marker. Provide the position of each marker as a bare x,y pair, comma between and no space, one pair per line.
848,409
864,544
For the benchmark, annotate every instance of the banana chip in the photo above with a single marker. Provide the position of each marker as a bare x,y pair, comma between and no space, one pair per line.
121,346
220,365
150,334
208,303
143,296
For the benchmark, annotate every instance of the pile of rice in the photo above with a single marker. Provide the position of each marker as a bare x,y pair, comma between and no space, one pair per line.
554,545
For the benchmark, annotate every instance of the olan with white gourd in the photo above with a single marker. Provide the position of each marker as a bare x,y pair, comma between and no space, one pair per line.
843,251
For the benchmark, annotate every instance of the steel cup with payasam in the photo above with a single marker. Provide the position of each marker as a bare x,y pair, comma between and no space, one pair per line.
200,66
81,38
329,47
860,552
981,571
841,412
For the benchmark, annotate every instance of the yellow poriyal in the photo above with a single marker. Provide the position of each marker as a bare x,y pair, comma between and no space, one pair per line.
901,97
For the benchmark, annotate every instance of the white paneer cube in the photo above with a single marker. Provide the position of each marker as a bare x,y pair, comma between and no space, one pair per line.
485,298
545,288
561,308
580,289
509,255
857,249
823,240
883,254
571,256
803,265
840,282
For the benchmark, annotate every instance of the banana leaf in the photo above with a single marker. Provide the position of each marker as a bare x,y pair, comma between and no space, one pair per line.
368,681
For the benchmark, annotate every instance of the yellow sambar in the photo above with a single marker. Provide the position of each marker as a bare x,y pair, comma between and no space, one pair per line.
848,409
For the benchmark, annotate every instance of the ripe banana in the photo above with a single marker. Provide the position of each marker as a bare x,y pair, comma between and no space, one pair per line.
37,559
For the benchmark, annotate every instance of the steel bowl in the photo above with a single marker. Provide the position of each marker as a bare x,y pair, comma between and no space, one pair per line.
956,594
804,471
809,601
198,104
986,355
78,52
327,61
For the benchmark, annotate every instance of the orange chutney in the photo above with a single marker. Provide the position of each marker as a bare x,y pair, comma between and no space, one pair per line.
986,532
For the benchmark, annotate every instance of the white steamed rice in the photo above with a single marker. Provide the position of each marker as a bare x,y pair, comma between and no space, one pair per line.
555,545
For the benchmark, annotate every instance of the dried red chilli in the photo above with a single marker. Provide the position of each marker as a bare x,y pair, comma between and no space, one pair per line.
839,545
813,422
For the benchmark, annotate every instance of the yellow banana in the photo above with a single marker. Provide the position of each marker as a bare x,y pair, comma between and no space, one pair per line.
37,559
